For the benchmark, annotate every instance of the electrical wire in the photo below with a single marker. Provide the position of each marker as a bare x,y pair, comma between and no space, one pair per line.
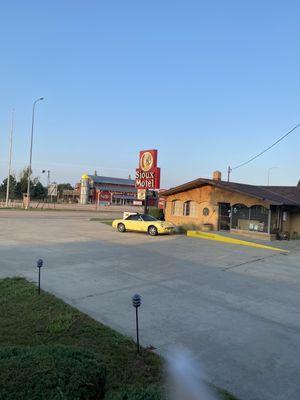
265,150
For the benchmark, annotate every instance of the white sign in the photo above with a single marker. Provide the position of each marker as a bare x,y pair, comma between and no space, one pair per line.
52,189
141,194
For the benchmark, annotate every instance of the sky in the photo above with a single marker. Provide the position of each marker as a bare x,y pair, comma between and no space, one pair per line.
207,83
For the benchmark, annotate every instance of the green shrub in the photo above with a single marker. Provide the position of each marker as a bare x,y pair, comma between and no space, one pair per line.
50,372
139,394
156,212
188,227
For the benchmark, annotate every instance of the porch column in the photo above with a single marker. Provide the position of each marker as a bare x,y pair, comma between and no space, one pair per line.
269,221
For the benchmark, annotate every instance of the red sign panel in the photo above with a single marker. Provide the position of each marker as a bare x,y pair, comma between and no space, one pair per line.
148,160
147,180
147,176
104,196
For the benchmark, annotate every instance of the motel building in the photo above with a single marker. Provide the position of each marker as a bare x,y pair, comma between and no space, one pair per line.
104,190
268,212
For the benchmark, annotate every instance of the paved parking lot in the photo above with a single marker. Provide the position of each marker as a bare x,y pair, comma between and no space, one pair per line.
236,308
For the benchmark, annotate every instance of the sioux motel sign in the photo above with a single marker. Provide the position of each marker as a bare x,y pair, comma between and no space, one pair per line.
147,176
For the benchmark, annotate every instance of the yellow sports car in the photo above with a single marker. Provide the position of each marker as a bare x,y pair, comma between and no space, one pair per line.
143,223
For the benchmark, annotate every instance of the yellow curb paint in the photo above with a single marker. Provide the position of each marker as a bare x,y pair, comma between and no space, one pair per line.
225,239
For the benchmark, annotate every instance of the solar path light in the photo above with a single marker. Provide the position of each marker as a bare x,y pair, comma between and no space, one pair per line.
136,302
39,265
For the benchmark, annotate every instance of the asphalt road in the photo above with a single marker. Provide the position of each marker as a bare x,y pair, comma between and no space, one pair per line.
236,308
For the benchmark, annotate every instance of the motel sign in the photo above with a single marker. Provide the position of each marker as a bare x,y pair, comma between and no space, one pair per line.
147,176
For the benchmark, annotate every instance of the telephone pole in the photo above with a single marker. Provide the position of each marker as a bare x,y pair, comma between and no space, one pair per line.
228,173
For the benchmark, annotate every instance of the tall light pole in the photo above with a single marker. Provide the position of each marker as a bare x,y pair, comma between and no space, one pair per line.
30,157
9,158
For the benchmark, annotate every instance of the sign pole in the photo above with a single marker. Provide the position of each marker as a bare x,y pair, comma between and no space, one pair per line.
146,202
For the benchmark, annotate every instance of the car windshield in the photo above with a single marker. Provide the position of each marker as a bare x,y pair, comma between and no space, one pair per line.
148,218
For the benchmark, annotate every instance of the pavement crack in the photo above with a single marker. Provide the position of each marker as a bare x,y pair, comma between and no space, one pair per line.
250,262
107,292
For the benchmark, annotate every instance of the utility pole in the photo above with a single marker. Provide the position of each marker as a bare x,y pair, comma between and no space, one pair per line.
9,158
228,173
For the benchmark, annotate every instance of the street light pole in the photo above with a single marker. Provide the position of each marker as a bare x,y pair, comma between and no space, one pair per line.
48,179
30,157
9,162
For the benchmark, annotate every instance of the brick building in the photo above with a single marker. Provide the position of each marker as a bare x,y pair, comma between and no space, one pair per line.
264,211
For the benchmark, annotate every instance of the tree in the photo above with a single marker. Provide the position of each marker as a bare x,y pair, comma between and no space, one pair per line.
21,186
23,182
12,187
38,191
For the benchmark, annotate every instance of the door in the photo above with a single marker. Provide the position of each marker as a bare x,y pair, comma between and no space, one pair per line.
133,222
224,216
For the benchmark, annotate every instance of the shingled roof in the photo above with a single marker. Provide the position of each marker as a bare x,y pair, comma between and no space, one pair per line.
277,195
111,180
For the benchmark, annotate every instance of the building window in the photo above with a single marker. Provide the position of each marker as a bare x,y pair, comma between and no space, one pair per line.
187,208
259,217
240,217
193,209
176,207
205,211
255,218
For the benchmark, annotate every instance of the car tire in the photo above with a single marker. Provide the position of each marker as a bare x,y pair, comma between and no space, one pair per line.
152,230
121,228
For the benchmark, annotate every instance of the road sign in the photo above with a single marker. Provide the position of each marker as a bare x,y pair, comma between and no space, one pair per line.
52,189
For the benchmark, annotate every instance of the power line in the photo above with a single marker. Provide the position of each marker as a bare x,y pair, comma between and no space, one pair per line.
262,152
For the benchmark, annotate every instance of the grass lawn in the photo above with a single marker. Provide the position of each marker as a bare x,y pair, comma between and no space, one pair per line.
27,319
103,221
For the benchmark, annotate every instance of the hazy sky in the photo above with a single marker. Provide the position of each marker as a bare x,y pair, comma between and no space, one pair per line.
207,83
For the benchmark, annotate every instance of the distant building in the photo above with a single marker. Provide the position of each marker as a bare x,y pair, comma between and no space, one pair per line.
106,190
262,211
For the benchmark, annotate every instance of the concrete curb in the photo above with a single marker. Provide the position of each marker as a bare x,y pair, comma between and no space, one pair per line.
225,239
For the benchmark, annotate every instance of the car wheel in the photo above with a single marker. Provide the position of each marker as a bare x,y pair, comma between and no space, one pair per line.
121,228
152,230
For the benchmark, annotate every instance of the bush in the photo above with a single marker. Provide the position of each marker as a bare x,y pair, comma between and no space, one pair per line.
50,372
156,213
139,394
188,227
